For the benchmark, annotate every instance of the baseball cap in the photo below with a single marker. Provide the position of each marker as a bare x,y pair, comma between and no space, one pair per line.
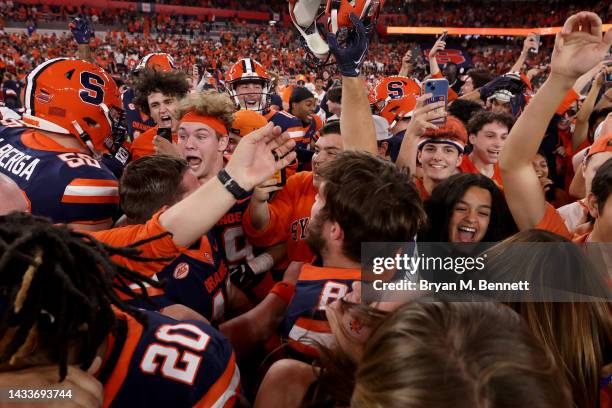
382,128
300,94
452,133
247,121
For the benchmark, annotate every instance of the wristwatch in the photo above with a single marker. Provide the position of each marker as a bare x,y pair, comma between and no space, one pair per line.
230,185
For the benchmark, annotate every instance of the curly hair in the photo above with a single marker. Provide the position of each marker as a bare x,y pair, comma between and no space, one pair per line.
209,103
59,289
150,81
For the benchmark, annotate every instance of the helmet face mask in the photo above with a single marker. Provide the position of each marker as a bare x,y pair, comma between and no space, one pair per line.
249,72
306,13
70,96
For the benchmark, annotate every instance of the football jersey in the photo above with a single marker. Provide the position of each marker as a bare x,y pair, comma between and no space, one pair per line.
197,278
289,217
305,317
236,248
168,363
288,123
60,183
137,122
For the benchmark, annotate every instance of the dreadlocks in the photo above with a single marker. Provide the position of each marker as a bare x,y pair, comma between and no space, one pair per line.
61,287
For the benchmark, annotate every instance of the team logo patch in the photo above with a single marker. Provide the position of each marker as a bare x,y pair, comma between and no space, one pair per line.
43,98
181,271
131,106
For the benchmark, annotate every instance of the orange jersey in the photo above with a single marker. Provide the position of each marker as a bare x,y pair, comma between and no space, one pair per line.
305,317
467,166
143,145
160,248
423,193
289,217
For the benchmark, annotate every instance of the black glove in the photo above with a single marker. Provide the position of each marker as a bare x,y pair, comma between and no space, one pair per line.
81,29
510,82
242,276
351,58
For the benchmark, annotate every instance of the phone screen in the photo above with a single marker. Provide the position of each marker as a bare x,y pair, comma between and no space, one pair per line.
166,133
439,90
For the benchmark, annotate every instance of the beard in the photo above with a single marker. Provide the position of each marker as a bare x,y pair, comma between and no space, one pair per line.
314,236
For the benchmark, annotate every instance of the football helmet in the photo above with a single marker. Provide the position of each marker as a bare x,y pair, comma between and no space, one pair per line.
398,109
394,87
159,61
305,14
76,97
247,121
245,71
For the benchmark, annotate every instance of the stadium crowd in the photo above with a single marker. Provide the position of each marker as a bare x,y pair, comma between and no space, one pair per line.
182,220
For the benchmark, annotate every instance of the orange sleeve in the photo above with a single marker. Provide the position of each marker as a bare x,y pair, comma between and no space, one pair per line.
570,98
553,222
280,209
143,145
452,95
160,248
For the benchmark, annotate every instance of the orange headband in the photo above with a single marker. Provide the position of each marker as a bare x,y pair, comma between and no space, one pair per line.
215,123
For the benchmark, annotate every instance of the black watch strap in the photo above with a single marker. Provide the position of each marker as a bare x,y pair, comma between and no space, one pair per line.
230,185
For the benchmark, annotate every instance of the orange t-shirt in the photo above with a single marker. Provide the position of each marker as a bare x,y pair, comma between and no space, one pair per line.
143,145
552,221
289,217
423,193
467,166
160,248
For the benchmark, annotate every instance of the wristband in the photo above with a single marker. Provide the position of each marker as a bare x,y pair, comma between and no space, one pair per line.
284,290
261,263
230,185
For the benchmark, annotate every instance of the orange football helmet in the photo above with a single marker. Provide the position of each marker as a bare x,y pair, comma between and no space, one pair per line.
159,61
247,70
247,121
338,12
305,14
394,87
76,97
398,109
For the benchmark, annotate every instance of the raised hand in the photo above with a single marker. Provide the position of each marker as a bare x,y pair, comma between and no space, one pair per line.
351,58
81,29
438,46
579,46
423,115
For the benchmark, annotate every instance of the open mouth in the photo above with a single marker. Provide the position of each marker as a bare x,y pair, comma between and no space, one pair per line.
166,121
193,162
494,153
466,234
437,166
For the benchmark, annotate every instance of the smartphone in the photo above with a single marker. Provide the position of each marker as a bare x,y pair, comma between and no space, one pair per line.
439,90
534,50
609,64
281,177
166,133
443,36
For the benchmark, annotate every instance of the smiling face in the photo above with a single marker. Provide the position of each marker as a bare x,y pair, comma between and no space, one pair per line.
489,141
568,116
471,215
540,166
163,110
303,110
250,95
439,161
202,148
